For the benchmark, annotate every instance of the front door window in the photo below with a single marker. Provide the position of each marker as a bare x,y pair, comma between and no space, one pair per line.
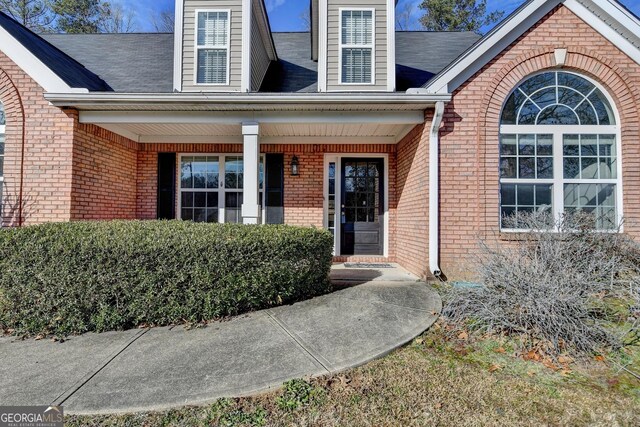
362,207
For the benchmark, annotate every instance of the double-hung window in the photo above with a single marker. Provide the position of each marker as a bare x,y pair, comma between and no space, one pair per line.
211,187
212,47
559,151
357,46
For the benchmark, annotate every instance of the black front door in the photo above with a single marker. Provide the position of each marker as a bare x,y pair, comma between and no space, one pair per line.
362,207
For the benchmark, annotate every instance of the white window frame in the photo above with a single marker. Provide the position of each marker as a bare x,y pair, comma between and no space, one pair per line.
199,47
337,159
371,46
558,181
222,190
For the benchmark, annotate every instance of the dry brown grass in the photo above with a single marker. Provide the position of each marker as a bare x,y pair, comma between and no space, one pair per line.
432,382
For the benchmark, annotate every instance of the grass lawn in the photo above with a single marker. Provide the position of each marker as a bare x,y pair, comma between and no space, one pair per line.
430,382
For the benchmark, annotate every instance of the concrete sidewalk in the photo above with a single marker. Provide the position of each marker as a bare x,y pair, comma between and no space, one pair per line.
160,368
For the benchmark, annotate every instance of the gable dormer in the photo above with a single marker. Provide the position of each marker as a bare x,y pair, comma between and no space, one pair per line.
354,43
221,45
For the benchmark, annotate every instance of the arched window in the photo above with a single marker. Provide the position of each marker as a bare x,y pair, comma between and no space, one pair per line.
559,150
2,130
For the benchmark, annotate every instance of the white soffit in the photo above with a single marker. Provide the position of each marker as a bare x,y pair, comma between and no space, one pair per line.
607,17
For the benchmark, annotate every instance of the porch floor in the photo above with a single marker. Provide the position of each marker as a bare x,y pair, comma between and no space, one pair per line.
356,273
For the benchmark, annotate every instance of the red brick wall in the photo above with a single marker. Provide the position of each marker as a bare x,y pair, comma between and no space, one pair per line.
304,194
70,171
44,179
104,174
469,138
412,218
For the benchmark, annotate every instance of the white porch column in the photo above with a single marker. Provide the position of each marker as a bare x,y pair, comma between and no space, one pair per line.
251,159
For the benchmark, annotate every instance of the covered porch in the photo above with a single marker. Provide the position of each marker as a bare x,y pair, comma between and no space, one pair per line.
357,169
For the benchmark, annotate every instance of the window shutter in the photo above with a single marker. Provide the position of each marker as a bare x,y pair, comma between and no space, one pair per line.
166,204
274,188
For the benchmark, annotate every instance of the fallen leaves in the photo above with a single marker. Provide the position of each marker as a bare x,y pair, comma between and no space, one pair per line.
494,368
565,360
549,364
463,336
532,355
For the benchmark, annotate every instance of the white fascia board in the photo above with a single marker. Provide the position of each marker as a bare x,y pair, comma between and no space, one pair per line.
209,117
507,33
488,48
245,80
177,45
605,29
265,30
323,26
31,65
241,100
391,45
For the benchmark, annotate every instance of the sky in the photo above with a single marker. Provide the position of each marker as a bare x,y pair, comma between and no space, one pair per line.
285,15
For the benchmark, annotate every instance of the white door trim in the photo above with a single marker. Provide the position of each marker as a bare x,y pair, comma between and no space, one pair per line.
337,158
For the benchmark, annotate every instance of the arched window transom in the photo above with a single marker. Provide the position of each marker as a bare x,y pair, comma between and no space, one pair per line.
559,150
557,98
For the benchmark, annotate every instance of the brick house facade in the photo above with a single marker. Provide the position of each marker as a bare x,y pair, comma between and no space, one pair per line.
67,158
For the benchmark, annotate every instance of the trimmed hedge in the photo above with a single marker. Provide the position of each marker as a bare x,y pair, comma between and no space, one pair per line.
71,278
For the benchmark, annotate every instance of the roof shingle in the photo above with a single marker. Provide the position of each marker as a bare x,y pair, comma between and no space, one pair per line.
73,73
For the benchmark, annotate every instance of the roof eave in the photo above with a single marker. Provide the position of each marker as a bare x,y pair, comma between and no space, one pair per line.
326,100
500,37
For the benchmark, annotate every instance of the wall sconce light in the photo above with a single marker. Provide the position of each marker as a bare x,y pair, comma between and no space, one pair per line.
294,166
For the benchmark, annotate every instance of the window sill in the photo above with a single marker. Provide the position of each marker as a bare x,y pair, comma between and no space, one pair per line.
514,236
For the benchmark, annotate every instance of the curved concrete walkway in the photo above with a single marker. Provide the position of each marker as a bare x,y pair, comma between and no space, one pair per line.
152,369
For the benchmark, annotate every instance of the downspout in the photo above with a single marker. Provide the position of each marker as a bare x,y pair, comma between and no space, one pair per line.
434,189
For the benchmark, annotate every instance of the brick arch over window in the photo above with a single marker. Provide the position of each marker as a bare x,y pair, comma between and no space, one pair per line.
579,60
14,151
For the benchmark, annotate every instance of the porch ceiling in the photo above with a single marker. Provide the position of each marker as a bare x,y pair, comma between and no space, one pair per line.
372,127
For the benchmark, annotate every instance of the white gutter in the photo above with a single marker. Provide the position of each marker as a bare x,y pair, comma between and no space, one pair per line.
110,98
434,188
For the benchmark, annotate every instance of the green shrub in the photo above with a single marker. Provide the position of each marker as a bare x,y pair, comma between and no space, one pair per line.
78,277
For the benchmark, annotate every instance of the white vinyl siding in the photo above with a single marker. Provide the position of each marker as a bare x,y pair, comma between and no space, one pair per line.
190,43
259,57
356,46
379,53
212,46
